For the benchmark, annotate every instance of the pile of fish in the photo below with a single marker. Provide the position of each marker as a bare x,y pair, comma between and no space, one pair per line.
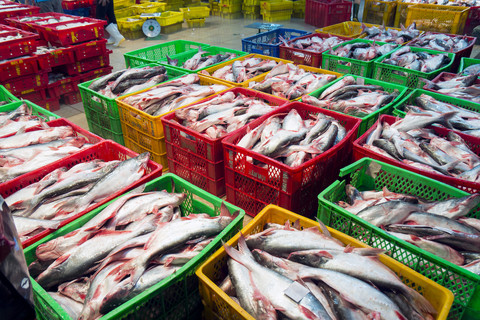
73,25
8,38
419,61
474,69
408,141
128,81
242,70
285,272
391,35
46,49
223,114
291,82
198,61
66,192
464,87
315,43
172,95
293,140
453,117
133,244
350,97
51,20
442,42
54,77
439,227
363,51
18,120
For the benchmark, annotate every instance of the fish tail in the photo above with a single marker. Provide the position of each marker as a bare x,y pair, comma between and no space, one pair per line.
419,302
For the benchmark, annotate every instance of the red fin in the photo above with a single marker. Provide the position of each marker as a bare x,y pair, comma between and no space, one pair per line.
297,225
324,254
308,314
348,249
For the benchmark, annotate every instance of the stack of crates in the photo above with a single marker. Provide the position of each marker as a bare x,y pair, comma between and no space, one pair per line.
251,9
215,8
131,27
81,8
174,5
299,9
195,15
123,8
273,11
231,9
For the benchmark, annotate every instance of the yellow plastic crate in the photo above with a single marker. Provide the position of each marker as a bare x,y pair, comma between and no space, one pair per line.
274,16
251,2
276,5
251,9
438,18
401,13
214,270
135,23
169,18
195,12
118,4
299,6
350,29
149,7
252,16
379,12
231,15
124,13
158,158
196,23
209,71
231,8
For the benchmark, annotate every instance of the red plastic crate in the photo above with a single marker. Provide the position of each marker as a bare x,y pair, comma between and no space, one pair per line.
88,64
31,26
11,49
26,84
19,67
473,20
106,150
90,49
36,96
58,57
75,4
67,37
253,186
72,98
90,75
458,54
305,57
327,12
61,87
473,143
441,77
23,10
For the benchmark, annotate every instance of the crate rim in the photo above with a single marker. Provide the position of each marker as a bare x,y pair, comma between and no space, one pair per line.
413,42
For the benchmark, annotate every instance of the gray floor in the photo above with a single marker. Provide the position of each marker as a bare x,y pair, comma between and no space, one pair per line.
217,31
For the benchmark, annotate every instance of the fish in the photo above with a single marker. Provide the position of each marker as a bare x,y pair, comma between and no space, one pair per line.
470,70
391,35
442,42
315,43
414,60
200,60
71,307
458,86
364,51
28,226
243,70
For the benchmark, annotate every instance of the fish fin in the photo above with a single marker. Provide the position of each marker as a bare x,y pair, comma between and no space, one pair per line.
369,252
323,253
348,249
308,314
297,225
313,229
224,212
446,117
235,255
287,226
324,228
400,316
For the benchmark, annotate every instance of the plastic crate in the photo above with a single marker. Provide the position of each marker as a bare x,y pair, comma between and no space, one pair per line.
80,12
209,71
55,58
438,18
75,4
261,42
169,18
360,152
200,156
36,110
235,15
66,37
251,186
214,270
195,23
276,5
410,78
172,28
72,98
5,95
90,75
349,29
379,12
61,87
327,12
195,12
90,49
473,20
465,53
158,158
124,12
274,16
130,26
231,8
23,10
175,297
149,7
370,119
187,55
303,56
26,84
356,67
88,64
123,3
19,67
92,116
14,48
443,76
466,62
160,51
251,16
401,13
463,283
250,9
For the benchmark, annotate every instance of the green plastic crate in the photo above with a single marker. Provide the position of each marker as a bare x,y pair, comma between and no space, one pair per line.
102,113
175,297
464,284
36,110
5,95
370,119
182,57
154,53
410,99
467,62
357,67
410,78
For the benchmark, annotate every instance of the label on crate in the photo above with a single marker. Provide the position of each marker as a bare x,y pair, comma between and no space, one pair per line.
27,91
96,32
17,69
74,37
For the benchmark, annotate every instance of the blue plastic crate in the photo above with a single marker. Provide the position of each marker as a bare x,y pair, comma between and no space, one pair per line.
81,12
261,42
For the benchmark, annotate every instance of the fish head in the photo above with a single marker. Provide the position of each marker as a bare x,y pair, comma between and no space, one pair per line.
310,258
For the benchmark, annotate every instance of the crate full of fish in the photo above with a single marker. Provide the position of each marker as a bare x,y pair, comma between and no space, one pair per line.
380,12
359,97
30,23
412,66
16,10
468,66
60,84
76,4
51,56
68,33
433,151
87,64
356,56
322,13
141,112
473,19
17,67
388,34
241,71
460,45
15,43
195,12
98,96
431,246
74,185
285,265
25,84
90,49
160,235
160,51
268,43
289,81
193,134
350,29
287,157
457,86
307,50
200,59
438,18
